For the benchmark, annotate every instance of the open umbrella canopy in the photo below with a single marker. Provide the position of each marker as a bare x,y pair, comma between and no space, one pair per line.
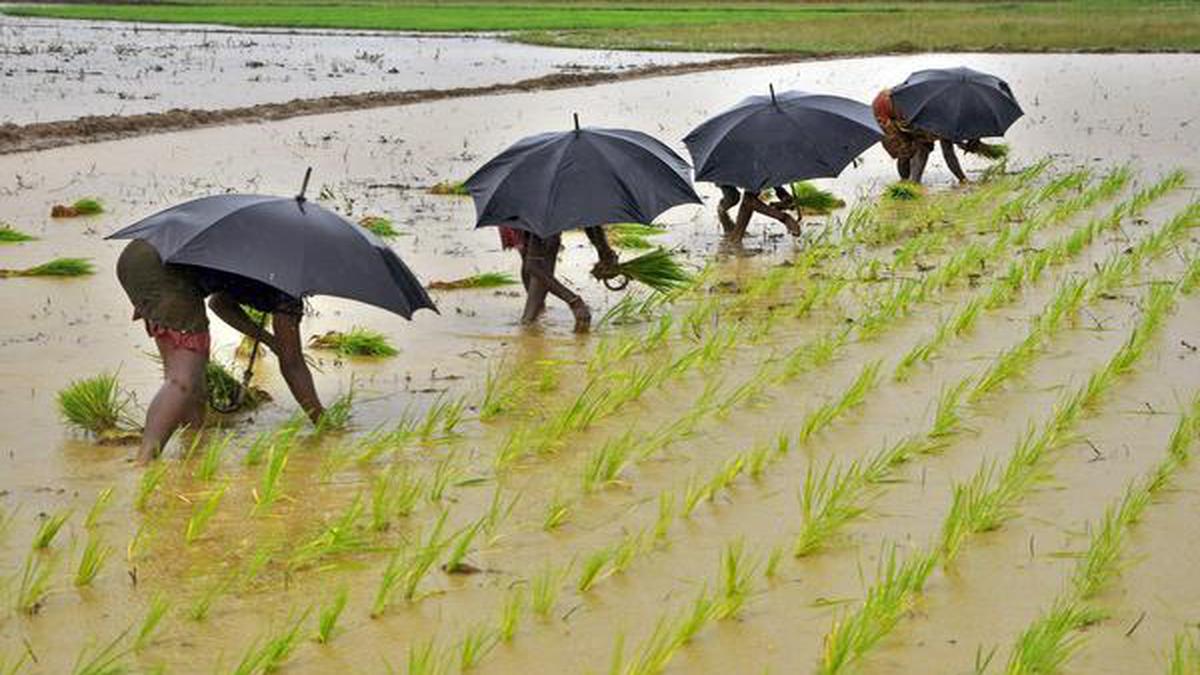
284,242
769,141
558,181
957,104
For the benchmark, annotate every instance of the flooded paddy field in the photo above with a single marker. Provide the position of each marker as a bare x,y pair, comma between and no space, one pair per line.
59,70
962,385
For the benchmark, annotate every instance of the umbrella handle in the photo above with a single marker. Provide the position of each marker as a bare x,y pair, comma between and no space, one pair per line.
621,282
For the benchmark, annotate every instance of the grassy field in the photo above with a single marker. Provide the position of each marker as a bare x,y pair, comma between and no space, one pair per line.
803,28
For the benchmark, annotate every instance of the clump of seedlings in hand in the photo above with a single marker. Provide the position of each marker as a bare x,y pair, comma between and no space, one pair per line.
97,405
59,267
656,269
379,226
95,554
203,513
11,235
328,616
357,341
481,280
810,199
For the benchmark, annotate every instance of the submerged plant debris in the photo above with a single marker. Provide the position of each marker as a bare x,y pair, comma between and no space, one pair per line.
482,280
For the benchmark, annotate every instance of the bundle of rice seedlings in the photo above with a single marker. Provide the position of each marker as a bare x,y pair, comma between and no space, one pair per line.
83,207
631,235
355,342
484,280
225,392
99,406
379,226
449,187
904,191
59,267
11,235
656,269
992,151
808,198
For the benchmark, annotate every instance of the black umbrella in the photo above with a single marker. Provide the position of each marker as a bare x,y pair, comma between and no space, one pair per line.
287,243
957,104
768,141
558,181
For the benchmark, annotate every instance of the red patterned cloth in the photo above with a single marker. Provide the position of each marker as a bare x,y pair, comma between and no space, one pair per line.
193,342
899,139
511,237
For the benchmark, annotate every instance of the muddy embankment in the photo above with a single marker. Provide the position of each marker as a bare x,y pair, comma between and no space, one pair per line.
89,129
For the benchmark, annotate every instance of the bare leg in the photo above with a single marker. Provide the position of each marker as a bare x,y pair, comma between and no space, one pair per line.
770,210
532,256
918,163
729,199
904,167
179,401
543,258
743,219
951,158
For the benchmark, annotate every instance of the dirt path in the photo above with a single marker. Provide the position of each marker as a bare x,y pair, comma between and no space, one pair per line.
90,129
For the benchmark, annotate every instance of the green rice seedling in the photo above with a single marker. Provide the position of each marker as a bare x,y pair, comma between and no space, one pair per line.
827,503
95,554
269,481
544,590
425,659
336,417
557,513
811,199
202,514
11,235
656,651
947,418
59,267
1050,641
456,562
702,611
592,567
150,623
329,613
151,479
442,417
510,615
340,537
694,492
852,397
904,191
49,529
268,654
624,552
393,575
357,341
605,464
481,280
33,585
502,389
724,476
1185,656
380,226
771,569
449,187
895,589
88,206
423,558
210,459
381,499
475,645
202,605
103,499
656,269
736,574
498,512
106,660
445,472
1101,562
97,405
757,459
666,514
14,667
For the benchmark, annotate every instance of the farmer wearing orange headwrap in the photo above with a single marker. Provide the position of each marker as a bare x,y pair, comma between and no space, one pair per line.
909,146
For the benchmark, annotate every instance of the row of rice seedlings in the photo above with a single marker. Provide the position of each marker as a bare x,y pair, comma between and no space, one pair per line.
11,235
1052,638
985,501
202,513
97,405
853,396
59,267
357,341
91,562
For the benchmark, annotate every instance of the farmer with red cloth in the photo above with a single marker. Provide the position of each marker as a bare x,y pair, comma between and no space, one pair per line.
909,146
539,257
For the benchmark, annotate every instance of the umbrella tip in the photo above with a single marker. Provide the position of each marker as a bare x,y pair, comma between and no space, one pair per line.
304,186
576,116
772,88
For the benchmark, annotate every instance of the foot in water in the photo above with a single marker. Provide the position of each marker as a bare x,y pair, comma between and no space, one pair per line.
583,315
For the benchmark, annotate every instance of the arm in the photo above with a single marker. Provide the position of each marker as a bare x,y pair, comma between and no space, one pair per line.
951,158
224,306
600,243
292,365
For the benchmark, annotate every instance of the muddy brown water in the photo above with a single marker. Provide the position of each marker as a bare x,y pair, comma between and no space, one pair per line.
1085,110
